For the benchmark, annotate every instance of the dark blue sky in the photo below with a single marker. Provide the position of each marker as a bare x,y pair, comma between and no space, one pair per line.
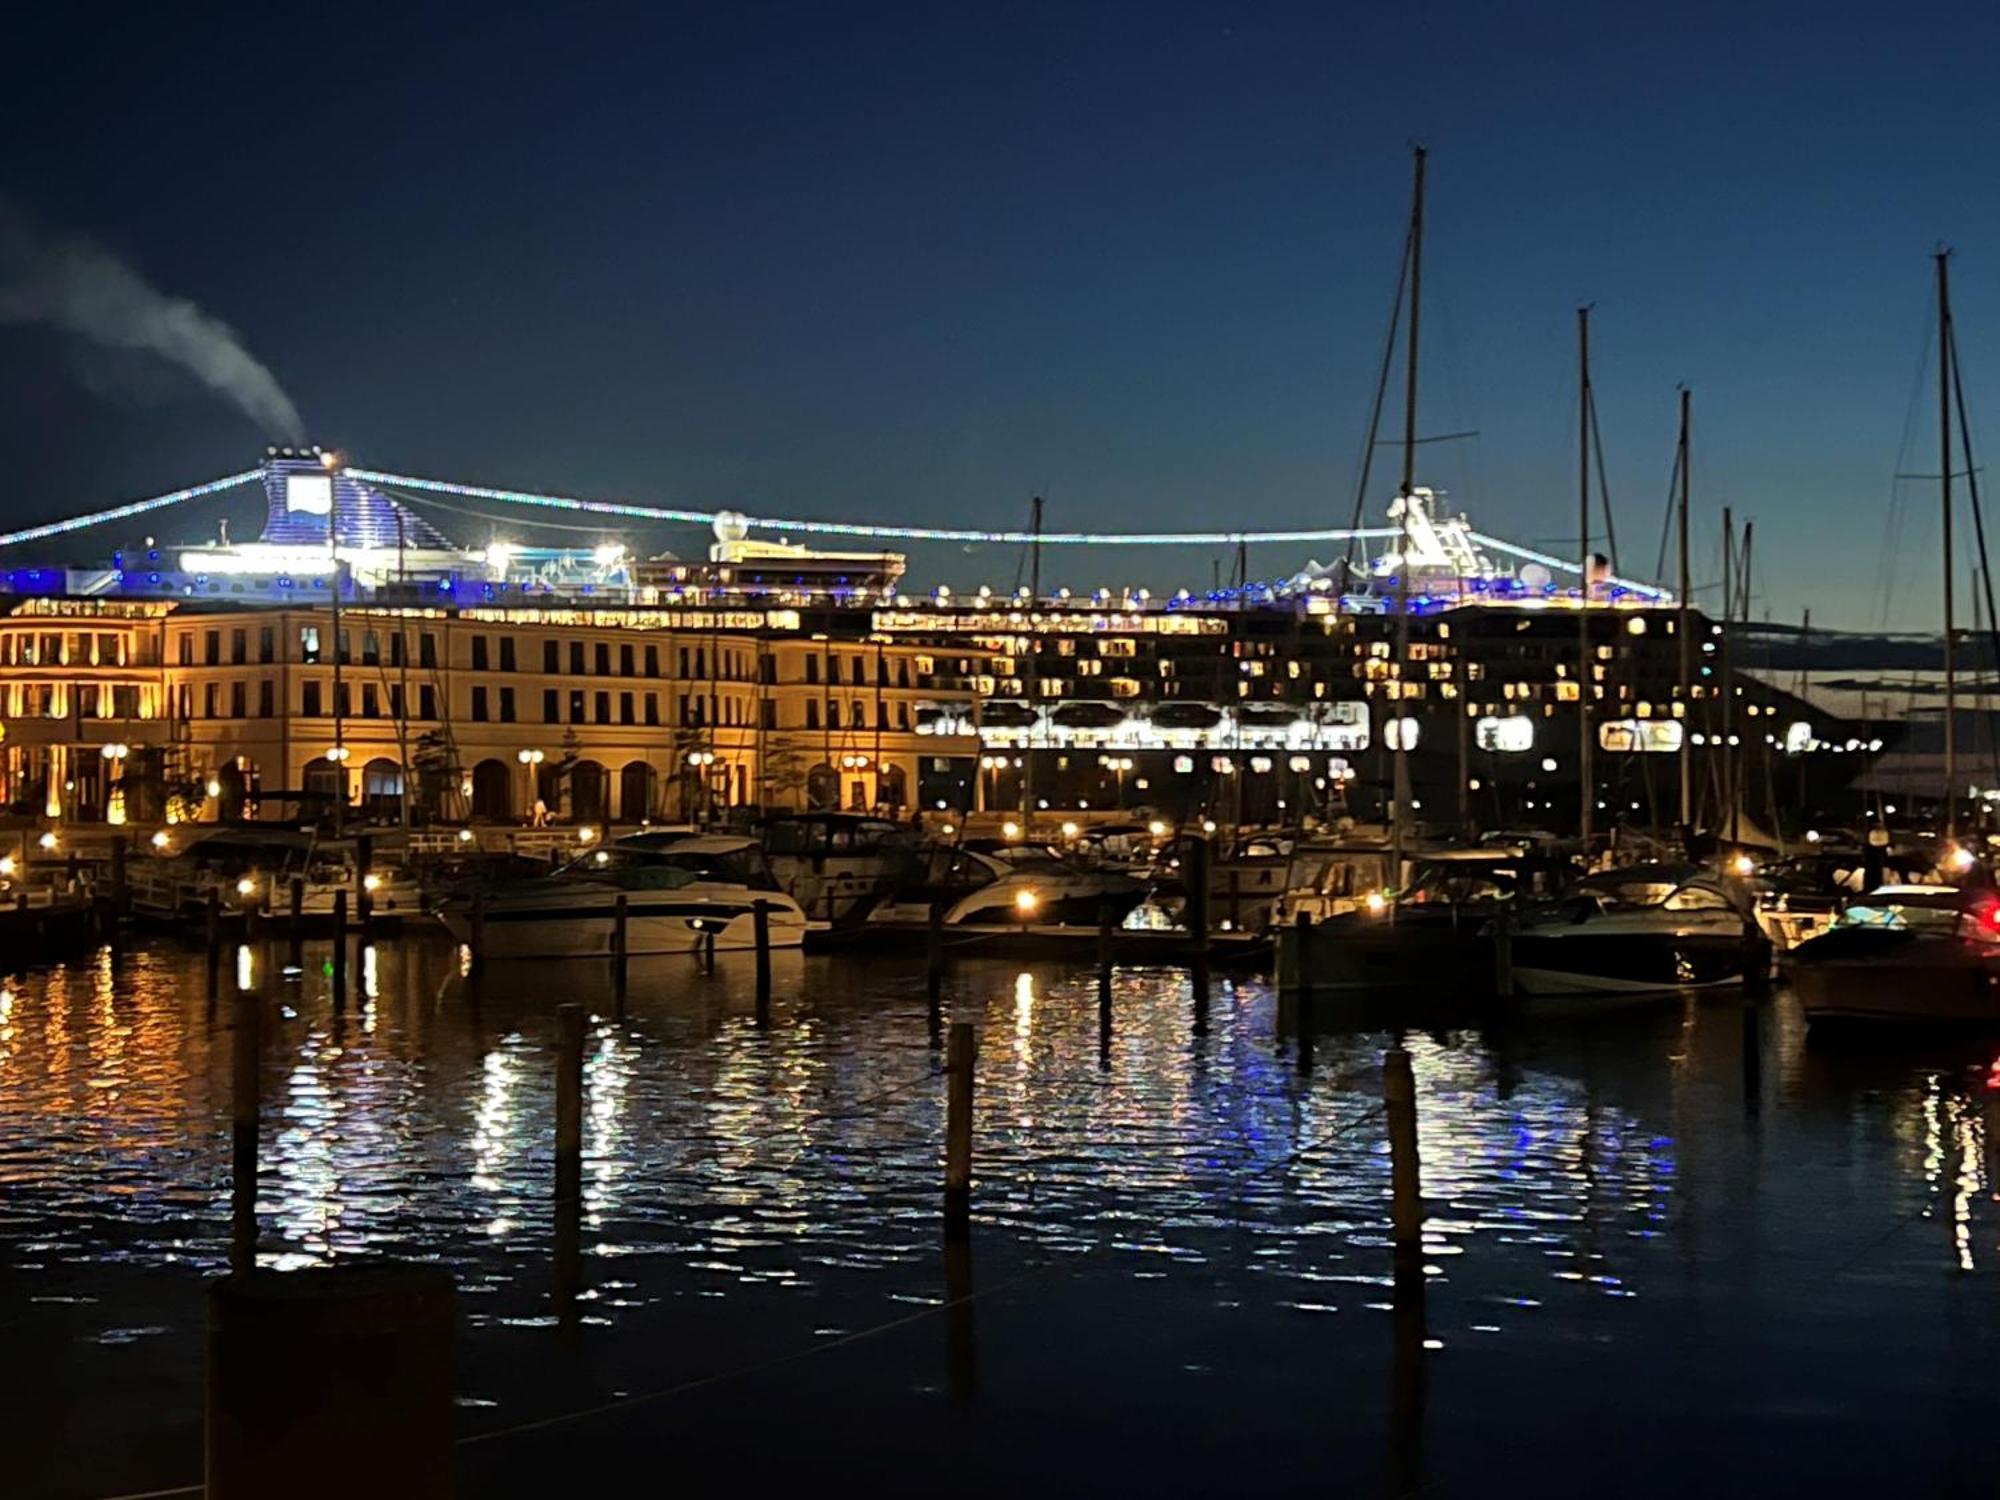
916,264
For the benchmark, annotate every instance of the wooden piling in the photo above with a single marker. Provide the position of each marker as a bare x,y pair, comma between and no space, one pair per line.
1406,1212
1302,989
1235,899
296,926
959,1058
477,946
246,1105
214,937
621,940
1503,956
934,953
760,917
339,947
1107,930
569,1103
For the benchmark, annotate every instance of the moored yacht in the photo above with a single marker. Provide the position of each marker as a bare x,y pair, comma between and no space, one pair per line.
1645,930
1917,953
992,882
680,891
837,865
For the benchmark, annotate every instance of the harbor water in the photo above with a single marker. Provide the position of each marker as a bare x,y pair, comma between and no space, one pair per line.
1670,1243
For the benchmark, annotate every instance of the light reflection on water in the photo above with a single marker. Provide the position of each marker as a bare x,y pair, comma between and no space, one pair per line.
1583,1176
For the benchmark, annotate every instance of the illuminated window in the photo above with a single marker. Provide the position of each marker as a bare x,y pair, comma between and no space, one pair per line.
1511,734
1629,736
1400,734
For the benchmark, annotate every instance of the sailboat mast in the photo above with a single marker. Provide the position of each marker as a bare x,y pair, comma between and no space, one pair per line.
1400,821
1944,480
1683,628
1583,675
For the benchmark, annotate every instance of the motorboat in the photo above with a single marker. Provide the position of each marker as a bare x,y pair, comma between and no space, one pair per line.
1647,929
1919,953
837,865
681,893
1435,934
251,869
1801,895
1248,875
995,882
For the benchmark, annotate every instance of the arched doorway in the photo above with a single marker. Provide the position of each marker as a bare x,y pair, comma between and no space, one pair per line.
586,792
492,791
895,791
822,787
321,782
635,792
382,790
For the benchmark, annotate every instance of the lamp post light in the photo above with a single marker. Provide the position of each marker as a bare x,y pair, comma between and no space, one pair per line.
699,761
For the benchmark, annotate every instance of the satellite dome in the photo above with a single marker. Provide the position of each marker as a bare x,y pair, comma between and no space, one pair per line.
731,526
1534,576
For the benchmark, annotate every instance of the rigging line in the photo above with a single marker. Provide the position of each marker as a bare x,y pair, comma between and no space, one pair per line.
1442,437
1972,488
1603,485
1381,393
121,512
1893,519
1667,519
866,529
479,515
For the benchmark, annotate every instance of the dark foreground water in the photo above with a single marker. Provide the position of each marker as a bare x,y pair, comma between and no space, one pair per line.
1668,1246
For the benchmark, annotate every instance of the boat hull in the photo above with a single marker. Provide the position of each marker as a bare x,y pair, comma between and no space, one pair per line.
1631,964
529,928
1925,991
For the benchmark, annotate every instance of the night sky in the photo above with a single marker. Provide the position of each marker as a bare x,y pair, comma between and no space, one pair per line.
917,264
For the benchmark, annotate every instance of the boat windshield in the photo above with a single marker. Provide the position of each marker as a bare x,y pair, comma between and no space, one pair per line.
670,868
1462,882
1919,910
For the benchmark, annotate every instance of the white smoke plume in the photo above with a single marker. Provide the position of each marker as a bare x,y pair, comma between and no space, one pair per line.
66,281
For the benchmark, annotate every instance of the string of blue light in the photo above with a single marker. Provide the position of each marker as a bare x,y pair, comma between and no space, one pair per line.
122,512
780,523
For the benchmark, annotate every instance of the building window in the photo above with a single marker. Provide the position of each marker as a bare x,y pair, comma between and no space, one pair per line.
309,700
652,708
479,704
551,711
427,704
371,703
652,661
812,713
208,700
506,653
625,709
343,701
576,658
398,651
603,658
506,705
576,706
551,656
768,718
479,663
427,651
396,701
625,661
211,648
812,669
832,715
371,648
186,651
239,647
266,704
238,699
603,706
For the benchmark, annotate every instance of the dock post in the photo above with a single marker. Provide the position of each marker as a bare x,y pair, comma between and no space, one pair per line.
1107,939
246,1105
760,917
120,894
1756,961
1235,899
1406,1211
1302,994
569,1151
1195,873
1503,956
621,941
477,947
339,948
214,936
959,1057
934,953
